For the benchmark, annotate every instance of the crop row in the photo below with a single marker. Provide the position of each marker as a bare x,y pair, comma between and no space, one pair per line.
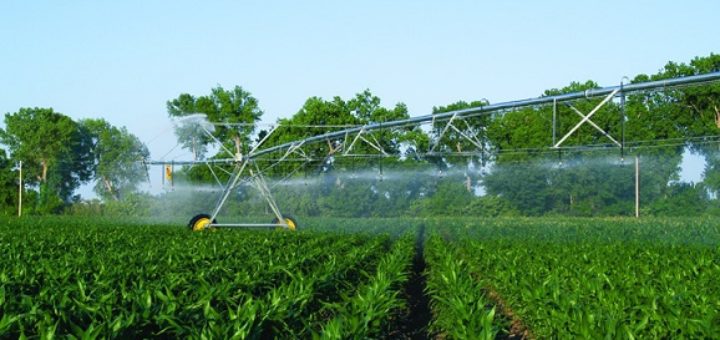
343,278
459,302
616,278
367,313
134,281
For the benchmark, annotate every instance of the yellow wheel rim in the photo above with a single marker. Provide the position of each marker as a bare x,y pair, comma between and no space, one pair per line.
290,224
201,224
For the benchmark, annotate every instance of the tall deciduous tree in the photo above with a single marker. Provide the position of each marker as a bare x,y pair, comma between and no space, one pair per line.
319,116
117,158
695,111
237,108
55,153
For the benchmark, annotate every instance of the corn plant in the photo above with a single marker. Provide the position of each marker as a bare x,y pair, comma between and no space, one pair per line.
364,314
460,306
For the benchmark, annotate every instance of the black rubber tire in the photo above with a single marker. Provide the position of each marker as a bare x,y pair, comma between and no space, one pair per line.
194,221
293,222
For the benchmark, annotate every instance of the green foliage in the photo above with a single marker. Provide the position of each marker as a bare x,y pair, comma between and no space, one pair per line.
582,278
77,151
449,198
73,279
56,155
365,108
365,314
8,186
449,140
683,199
461,309
345,278
118,157
132,204
236,107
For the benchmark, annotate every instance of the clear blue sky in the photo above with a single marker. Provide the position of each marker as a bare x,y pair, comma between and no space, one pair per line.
122,60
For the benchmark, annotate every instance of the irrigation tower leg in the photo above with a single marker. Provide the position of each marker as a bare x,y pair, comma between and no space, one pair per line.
232,182
637,186
20,191
554,121
262,186
622,121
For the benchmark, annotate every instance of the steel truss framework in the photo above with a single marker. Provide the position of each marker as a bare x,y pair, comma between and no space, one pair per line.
342,142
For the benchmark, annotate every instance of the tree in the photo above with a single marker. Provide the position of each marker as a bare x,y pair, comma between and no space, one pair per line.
117,158
684,199
56,155
236,108
695,111
319,116
8,185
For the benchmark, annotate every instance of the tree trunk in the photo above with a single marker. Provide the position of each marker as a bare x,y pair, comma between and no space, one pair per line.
43,176
238,144
717,116
109,187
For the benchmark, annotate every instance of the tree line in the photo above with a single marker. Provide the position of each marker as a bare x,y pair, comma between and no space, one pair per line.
59,154
509,172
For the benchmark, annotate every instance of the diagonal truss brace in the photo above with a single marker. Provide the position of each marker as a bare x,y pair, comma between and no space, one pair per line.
442,134
260,184
295,148
232,183
260,143
587,117
375,145
262,187
604,133
472,138
353,142
217,179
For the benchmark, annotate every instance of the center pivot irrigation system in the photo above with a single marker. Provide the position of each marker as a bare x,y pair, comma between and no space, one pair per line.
341,142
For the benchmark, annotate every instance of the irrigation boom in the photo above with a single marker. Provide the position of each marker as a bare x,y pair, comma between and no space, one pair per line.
347,138
487,109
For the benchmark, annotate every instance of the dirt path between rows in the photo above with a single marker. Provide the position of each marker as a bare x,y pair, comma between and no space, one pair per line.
415,324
